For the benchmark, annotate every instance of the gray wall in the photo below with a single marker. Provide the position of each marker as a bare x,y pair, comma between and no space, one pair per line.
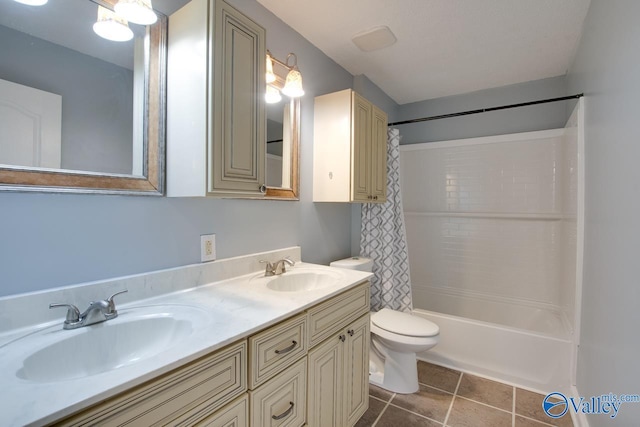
373,93
97,100
607,69
525,119
50,240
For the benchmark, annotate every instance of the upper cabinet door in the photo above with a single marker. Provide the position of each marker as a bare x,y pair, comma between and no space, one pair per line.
361,149
379,155
216,121
238,126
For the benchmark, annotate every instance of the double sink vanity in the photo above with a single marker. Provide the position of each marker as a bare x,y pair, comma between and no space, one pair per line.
208,344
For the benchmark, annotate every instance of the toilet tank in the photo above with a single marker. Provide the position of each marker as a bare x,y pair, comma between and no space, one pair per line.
354,263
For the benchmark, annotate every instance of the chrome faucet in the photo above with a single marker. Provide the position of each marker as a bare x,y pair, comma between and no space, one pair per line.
278,267
98,311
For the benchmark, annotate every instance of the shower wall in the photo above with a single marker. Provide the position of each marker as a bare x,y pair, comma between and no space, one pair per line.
491,228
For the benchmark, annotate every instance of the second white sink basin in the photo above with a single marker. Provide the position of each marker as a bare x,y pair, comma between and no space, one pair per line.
134,336
297,281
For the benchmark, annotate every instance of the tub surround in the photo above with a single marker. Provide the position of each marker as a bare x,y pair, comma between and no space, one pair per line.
232,303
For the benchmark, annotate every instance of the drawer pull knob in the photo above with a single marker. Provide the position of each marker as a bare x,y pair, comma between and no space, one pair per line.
350,332
287,349
342,338
284,414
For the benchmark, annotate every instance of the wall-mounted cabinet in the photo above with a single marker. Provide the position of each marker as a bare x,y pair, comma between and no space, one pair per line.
215,114
349,149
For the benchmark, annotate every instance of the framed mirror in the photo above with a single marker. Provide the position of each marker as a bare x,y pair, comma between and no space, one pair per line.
283,137
79,113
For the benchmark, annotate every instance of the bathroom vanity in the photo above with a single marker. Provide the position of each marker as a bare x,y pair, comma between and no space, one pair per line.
241,350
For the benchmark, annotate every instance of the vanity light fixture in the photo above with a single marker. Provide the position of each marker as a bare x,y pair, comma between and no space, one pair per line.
273,95
111,26
293,85
136,11
32,2
271,77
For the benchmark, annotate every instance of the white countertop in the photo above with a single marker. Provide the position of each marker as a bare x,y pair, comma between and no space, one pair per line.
232,309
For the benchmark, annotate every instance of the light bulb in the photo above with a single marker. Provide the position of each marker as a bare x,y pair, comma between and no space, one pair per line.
293,85
271,77
136,11
33,2
112,27
273,95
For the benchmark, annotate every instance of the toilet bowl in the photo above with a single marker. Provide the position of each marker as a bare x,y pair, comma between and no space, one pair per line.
396,337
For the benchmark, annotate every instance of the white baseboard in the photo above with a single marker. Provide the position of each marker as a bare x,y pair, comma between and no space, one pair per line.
579,419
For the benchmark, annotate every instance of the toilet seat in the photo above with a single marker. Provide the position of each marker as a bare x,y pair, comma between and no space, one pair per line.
405,324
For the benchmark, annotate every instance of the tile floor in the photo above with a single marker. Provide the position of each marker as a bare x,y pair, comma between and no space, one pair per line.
455,399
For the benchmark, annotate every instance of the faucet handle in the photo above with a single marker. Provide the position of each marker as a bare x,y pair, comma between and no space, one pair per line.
269,268
112,305
73,314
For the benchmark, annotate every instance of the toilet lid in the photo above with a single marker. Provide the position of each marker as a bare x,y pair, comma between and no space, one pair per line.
404,323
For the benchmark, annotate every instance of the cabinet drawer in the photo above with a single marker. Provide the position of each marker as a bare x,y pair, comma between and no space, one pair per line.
235,414
282,400
332,315
199,389
274,349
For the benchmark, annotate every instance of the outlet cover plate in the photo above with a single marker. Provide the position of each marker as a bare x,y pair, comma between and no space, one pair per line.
207,247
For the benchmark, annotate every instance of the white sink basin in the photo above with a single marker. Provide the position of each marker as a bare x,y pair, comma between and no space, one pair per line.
134,336
297,281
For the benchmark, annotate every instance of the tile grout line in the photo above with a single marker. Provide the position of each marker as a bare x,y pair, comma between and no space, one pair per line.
513,408
484,404
436,388
383,409
455,392
414,413
537,421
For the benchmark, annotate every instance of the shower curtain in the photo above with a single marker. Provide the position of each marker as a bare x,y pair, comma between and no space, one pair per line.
383,239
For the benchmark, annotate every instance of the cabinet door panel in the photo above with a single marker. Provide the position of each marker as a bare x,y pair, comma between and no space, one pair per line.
379,156
361,154
356,373
238,131
325,384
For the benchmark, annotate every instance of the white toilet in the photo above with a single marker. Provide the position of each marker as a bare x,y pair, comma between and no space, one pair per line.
396,337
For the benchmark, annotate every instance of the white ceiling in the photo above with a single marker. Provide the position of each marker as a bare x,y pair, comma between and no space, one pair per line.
445,47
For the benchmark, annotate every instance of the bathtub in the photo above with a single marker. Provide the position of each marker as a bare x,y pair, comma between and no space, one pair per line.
536,361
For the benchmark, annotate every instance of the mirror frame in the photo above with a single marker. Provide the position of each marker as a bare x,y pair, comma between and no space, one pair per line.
154,118
293,193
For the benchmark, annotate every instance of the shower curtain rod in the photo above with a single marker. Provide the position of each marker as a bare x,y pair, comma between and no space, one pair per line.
486,110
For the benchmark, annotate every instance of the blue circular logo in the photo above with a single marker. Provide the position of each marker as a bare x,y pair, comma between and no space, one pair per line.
553,405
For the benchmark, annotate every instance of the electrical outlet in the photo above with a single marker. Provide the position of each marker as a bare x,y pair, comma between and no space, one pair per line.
207,247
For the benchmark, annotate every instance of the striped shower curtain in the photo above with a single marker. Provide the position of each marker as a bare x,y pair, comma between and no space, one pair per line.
383,239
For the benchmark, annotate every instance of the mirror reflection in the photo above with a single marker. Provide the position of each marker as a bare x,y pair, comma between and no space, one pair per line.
282,112
69,99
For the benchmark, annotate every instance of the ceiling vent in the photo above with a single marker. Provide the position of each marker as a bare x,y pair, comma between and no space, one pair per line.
374,39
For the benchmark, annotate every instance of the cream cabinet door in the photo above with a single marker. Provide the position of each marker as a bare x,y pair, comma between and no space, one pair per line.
237,156
379,155
324,394
356,371
338,393
361,149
